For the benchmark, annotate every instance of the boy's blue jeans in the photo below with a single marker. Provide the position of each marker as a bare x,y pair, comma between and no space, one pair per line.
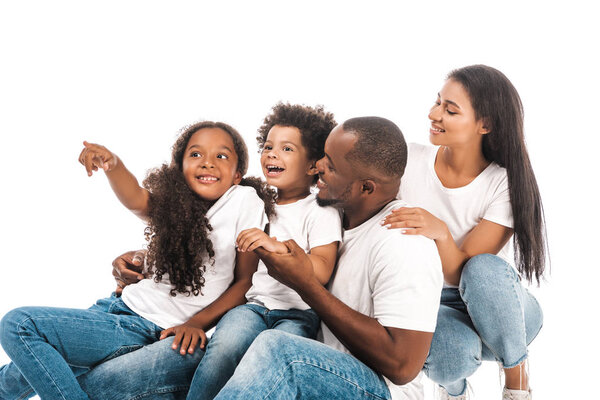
235,332
49,347
491,316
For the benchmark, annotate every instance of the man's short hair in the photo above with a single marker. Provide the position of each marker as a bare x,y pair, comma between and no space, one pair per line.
380,145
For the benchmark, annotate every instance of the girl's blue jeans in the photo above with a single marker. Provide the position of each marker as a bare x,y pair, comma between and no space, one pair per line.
49,347
491,316
235,332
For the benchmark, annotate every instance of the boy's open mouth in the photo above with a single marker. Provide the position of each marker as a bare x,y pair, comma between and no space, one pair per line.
273,170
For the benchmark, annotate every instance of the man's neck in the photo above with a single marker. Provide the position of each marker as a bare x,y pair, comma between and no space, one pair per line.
355,216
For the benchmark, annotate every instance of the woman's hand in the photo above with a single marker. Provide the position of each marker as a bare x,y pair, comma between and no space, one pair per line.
94,156
416,221
187,335
251,239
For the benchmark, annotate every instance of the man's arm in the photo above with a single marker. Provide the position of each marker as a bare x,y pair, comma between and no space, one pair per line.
398,354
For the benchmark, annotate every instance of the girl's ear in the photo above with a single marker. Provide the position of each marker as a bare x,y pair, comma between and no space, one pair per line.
237,178
312,169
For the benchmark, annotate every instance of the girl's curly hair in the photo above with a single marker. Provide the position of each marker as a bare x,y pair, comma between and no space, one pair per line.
177,231
314,124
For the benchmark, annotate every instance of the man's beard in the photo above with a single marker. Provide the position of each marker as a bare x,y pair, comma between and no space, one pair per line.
335,202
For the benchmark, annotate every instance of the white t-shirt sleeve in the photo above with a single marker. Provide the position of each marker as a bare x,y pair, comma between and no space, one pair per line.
500,210
324,226
406,283
251,213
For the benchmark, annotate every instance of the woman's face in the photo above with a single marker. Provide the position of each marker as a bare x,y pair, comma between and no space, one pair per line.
453,121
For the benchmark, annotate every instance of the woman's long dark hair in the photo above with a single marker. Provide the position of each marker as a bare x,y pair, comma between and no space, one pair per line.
178,229
497,103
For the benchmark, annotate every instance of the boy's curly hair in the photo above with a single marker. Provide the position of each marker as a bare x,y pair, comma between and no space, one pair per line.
314,124
178,229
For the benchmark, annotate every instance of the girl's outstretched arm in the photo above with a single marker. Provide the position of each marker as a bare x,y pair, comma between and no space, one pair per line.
485,237
122,182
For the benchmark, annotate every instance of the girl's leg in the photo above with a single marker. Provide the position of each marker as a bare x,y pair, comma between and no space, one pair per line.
456,348
303,323
506,316
235,332
48,344
279,365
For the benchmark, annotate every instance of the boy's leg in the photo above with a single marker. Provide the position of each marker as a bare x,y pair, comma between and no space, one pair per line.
235,332
47,344
279,365
303,323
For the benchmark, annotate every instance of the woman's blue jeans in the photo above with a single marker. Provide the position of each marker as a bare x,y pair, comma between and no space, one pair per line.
233,336
491,316
49,347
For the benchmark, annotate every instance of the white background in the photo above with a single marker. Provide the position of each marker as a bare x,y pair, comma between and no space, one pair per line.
130,74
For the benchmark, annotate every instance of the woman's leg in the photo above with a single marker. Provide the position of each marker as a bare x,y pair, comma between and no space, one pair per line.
48,344
506,316
456,348
234,333
279,365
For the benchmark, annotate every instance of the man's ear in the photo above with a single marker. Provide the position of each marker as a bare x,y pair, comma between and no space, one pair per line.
367,186
237,178
312,169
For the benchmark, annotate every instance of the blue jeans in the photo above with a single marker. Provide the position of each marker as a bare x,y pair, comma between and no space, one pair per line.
235,332
491,316
279,365
49,347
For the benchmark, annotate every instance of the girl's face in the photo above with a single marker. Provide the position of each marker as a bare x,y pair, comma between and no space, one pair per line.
210,163
453,121
284,159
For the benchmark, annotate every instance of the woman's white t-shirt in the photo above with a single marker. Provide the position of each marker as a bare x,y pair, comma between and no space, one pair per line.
238,209
486,197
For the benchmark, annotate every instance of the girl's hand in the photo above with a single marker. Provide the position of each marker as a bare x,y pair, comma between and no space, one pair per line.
254,238
416,221
94,156
187,335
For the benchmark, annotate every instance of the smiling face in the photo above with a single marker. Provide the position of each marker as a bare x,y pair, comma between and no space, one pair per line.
210,163
453,120
336,175
285,160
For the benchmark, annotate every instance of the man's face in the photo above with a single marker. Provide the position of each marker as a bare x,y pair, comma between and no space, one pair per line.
336,176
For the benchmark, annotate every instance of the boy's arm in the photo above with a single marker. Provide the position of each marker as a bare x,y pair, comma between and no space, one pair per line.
122,182
189,333
323,261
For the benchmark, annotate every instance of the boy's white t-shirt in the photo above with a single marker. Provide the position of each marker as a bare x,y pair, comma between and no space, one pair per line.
486,197
394,278
238,209
310,225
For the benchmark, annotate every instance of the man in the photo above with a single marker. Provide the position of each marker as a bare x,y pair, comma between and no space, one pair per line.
378,316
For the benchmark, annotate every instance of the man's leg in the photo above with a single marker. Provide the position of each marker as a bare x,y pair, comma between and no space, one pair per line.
279,365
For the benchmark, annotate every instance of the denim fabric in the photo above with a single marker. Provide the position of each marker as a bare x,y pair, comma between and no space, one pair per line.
235,332
491,316
279,365
50,346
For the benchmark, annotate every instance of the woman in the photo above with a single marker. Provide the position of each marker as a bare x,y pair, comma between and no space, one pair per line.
477,190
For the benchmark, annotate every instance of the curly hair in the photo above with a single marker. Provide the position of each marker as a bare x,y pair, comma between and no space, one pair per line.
314,124
178,229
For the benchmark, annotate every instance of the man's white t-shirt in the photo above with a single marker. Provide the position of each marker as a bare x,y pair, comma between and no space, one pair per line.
486,197
394,278
310,225
238,209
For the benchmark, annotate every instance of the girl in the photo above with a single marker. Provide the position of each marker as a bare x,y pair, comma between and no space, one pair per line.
195,208
477,189
292,139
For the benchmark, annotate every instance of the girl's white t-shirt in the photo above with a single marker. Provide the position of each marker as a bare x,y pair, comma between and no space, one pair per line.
238,209
310,225
486,197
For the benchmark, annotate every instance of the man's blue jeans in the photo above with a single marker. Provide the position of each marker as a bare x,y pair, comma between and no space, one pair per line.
491,316
49,347
235,332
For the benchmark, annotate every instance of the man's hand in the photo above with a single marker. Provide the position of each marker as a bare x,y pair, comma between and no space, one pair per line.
187,335
128,268
292,268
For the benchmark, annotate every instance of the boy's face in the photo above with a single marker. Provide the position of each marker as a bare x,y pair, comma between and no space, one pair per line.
210,163
285,160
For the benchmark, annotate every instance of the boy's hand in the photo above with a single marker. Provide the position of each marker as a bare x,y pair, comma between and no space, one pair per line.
94,156
254,238
187,335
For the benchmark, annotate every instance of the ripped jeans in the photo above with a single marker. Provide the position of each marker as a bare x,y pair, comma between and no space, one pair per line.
491,316
50,347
